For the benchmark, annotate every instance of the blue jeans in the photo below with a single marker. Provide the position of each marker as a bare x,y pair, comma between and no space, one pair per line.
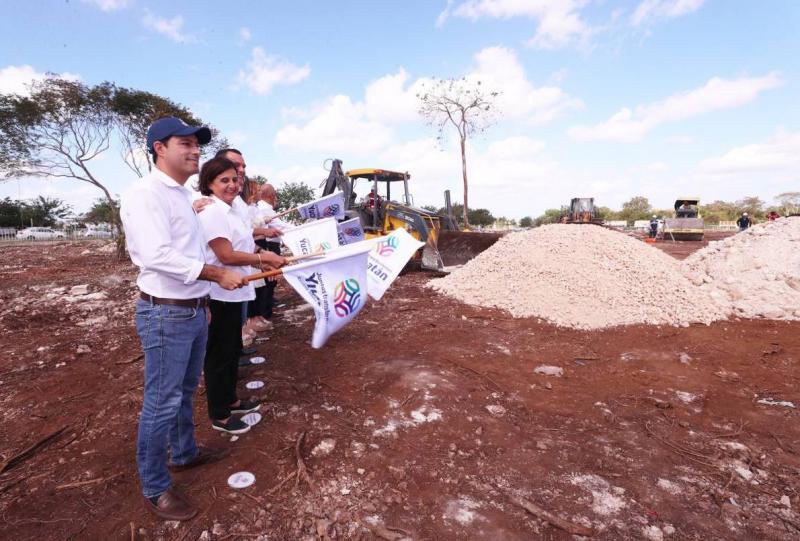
174,343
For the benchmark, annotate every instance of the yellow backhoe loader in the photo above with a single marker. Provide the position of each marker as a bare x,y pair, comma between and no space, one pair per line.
372,196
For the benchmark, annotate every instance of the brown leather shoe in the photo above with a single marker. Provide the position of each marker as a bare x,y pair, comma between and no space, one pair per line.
171,506
206,455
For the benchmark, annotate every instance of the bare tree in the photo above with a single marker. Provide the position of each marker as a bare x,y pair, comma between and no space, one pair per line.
466,106
61,127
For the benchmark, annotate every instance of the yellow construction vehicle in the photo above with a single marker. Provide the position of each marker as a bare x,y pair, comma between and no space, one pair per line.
370,195
687,224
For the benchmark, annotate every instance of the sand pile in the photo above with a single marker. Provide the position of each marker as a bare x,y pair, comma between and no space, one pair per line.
584,277
755,273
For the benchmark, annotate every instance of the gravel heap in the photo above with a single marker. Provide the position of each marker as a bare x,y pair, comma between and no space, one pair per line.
755,273
584,277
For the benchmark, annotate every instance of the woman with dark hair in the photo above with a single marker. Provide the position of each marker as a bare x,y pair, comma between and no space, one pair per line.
231,245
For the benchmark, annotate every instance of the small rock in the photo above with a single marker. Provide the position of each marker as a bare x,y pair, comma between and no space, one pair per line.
668,529
541,445
785,501
548,386
205,536
549,370
361,471
496,409
479,431
653,533
218,529
82,289
83,348
324,448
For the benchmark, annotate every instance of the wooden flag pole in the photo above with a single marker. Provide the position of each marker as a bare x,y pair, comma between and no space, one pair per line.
277,272
284,213
260,275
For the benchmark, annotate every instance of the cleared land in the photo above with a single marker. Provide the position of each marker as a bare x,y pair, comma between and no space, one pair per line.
424,419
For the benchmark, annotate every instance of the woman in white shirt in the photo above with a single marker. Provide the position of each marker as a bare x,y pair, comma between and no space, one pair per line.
231,245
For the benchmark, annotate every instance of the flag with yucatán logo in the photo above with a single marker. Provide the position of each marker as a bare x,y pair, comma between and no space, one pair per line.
350,231
310,237
387,258
330,206
334,285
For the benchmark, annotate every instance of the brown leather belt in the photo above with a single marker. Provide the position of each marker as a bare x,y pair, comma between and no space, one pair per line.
202,302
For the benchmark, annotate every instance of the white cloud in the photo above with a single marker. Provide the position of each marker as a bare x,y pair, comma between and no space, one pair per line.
237,137
245,35
15,79
171,28
341,127
650,10
559,23
499,69
679,140
629,125
341,124
108,5
265,71
780,153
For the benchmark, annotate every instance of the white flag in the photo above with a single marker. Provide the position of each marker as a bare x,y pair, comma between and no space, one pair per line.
350,231
319,235
388,257
336,287
330,206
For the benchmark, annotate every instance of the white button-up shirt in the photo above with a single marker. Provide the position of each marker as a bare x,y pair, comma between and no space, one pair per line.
265,212
164,238
220,220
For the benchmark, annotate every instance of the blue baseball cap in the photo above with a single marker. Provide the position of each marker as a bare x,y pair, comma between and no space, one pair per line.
170,125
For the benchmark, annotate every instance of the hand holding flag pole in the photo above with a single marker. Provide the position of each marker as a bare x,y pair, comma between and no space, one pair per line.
278,272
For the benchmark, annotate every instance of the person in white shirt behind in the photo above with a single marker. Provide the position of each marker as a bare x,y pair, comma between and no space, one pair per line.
267,201
165,241
231,245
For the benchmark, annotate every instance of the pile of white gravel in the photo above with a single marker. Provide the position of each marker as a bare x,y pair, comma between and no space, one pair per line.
584,277
755,273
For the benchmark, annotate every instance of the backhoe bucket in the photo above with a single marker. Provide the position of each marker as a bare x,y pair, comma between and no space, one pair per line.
453,248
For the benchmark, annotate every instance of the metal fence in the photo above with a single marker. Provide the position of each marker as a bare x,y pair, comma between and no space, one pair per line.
10,237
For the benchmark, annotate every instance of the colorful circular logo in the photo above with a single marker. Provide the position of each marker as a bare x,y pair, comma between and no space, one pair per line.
352,231
387,247
332,210
346,297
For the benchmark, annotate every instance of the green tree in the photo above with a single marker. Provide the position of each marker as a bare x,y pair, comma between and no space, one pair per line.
788,202
753,206
11,213
293,194
550,216
605,213
466,106
38,212
101,212
526,221
481,217
61,128
636,208
718,211
430,208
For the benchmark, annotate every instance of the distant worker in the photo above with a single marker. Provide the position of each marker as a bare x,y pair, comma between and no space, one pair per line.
653,226
743,222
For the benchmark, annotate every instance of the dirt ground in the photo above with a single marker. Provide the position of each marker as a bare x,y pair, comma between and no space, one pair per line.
424,419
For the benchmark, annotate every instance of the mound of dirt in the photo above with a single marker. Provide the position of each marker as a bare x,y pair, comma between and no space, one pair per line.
755,273
581,277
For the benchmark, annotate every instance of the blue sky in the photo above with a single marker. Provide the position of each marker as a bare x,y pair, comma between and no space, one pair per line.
603,98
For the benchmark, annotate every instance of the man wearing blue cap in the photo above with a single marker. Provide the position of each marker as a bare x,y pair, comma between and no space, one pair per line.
164,240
